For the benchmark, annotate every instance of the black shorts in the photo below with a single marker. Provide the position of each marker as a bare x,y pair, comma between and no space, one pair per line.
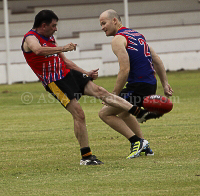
70,87
136,92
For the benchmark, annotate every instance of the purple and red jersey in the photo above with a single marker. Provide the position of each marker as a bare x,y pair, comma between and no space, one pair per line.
141,66
47,68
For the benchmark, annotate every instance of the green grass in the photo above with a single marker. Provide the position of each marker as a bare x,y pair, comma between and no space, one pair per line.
40,156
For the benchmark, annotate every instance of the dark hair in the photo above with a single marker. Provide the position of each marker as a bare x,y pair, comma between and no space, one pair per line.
44,16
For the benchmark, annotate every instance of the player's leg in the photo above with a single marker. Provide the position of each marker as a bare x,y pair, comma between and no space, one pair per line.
121,104
60,91
108,115
135,96
81,133
79,122
131,122
99,92
116,106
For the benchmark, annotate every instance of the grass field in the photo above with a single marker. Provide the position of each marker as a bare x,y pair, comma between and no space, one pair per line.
40,156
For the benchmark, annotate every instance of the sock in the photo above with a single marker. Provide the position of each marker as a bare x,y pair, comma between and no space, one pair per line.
85,152
134,139
136,111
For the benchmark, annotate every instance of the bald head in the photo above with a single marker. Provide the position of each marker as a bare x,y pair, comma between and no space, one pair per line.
111,14
110,22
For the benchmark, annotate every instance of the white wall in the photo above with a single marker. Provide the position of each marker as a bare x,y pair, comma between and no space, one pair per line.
171,27
182,60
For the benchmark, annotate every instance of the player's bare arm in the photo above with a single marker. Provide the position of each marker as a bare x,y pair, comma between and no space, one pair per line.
160,70
32,44
119,49
72,65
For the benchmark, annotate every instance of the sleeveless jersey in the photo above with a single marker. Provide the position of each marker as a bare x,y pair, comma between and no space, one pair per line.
141,66
47,68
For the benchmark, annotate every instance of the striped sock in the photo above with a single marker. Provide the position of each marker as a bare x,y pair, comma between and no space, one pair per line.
135,110
85,152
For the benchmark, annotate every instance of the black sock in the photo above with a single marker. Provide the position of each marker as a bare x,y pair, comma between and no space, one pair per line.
85,152
136,111
134,139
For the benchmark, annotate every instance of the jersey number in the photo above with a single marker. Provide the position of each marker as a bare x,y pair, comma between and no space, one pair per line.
146,48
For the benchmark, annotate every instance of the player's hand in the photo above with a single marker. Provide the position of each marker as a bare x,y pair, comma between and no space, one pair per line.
94,74
168,91
69,47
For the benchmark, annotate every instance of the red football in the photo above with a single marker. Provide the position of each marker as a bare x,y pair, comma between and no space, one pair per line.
157,104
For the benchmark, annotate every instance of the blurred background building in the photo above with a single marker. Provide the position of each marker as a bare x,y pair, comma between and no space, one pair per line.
171,27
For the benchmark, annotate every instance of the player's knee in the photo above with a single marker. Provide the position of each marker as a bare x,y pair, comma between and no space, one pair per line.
102,114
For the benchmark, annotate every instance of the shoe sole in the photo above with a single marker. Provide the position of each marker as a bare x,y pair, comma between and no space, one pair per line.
145,144
150,154
144,154
82,162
